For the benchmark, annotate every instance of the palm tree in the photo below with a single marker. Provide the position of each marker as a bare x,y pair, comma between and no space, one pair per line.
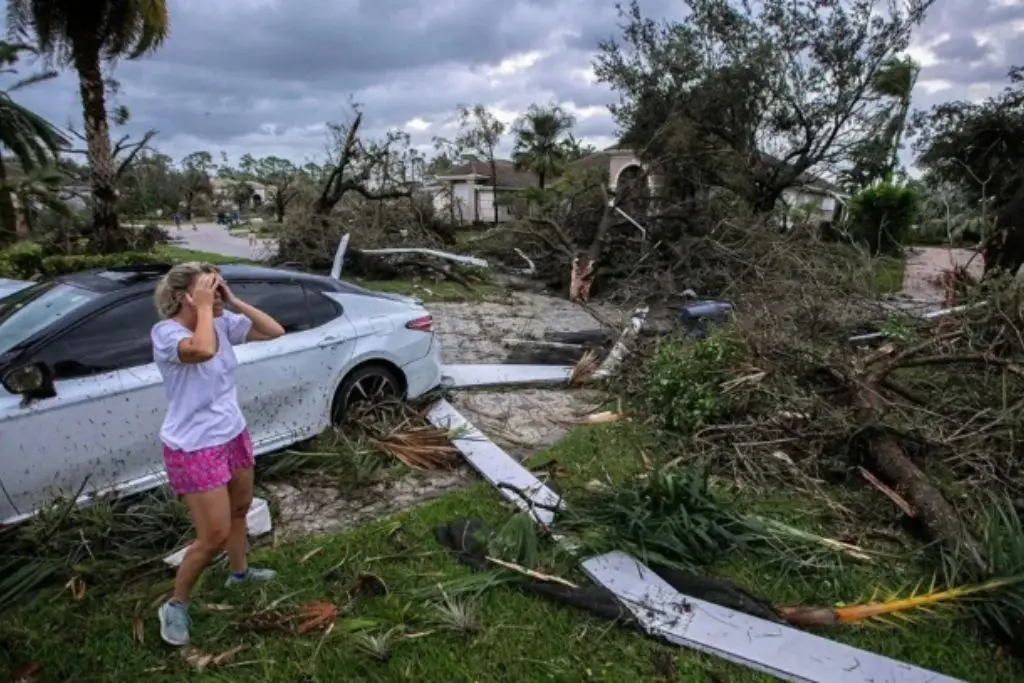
84,34
29,138
540,137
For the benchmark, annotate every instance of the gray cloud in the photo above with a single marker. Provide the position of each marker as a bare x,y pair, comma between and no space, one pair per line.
262,76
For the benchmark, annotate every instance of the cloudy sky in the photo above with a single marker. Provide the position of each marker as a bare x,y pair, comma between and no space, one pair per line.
262,76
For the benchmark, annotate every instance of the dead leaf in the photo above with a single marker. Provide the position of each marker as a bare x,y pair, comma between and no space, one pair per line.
200,660
317,615
215,607
26,673
648,463
138,632
602,417
76,586
308,556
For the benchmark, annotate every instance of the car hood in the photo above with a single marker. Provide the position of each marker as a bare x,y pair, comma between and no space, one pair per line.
11,286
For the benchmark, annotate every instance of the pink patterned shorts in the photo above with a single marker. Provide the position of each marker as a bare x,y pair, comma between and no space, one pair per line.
209,468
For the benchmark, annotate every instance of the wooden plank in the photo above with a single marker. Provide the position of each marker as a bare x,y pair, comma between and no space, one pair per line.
776,649
494,464
496,375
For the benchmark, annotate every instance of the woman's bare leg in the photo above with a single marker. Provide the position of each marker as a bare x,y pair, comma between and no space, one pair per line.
211,515
240,495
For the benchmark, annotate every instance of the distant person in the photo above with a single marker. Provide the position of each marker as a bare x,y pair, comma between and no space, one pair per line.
177,221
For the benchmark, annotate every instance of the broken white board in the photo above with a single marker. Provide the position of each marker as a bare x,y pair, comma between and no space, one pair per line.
495,465
492,375
621,347
258,523
776,649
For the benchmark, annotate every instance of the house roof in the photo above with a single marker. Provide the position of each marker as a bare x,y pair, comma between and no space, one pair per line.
507,175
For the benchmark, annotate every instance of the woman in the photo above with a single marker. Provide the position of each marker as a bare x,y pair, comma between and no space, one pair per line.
207,450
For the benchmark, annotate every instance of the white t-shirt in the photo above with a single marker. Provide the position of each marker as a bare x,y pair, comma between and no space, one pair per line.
203,406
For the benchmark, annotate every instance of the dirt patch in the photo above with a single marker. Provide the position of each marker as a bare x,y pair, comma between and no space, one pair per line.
521,421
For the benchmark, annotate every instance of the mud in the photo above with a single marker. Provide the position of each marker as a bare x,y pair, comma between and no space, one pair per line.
523,422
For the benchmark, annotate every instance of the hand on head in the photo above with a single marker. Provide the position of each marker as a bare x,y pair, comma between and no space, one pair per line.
204,291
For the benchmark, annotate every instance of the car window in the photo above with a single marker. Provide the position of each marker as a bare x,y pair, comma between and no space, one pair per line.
32,310
113,339
321,309
285,302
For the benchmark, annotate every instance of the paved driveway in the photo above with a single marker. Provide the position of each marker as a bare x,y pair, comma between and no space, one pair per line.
216,239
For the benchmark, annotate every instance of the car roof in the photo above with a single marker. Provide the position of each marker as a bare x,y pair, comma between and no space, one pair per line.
144,275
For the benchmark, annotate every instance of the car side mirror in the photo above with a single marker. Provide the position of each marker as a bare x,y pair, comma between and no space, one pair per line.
31,381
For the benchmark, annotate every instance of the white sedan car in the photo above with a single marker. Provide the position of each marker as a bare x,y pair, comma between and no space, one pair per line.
82,401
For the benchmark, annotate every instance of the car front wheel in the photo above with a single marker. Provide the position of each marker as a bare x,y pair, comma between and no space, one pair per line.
364,389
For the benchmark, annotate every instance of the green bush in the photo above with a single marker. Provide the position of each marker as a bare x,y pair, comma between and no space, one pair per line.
883,216
26,259
684,386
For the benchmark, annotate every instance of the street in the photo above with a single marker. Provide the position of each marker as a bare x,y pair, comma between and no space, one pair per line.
216,239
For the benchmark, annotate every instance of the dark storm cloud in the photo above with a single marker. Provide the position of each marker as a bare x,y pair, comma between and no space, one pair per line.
263,75
962,48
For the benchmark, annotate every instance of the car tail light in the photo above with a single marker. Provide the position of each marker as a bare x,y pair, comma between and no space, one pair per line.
423,324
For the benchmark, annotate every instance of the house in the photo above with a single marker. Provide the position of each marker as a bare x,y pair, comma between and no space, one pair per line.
225,193
467,194
818,199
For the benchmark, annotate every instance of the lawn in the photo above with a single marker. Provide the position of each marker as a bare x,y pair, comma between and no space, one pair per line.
427,291
887,275
406,634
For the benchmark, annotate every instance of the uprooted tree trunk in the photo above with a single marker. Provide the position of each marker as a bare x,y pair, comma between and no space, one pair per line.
938,516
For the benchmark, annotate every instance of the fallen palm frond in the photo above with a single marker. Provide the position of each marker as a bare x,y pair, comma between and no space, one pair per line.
583,370
305,618
100,545
200,660
902,607
1001,539
421,447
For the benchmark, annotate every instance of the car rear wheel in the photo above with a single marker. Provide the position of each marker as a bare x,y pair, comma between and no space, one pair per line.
364,389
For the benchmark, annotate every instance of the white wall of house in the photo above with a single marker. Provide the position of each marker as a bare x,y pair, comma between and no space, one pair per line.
461,193
822,207
485,206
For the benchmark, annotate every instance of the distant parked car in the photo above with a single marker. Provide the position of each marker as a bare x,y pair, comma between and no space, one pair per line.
82,400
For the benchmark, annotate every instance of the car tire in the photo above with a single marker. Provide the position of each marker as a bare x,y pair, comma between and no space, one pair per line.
373,383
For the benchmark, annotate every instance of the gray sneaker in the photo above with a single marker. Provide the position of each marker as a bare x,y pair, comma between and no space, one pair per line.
251,574
174,623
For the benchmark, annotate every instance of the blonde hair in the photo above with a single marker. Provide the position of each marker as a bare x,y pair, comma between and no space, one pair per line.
175,283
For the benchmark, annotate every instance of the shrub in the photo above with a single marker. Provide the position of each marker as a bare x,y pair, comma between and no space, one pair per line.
882,217
683,389
26,260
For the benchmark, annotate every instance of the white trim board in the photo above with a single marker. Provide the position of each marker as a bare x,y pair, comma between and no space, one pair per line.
494,464
776,649
493,375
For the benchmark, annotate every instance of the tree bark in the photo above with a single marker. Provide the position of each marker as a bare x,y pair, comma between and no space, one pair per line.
107,236
8,211
939,517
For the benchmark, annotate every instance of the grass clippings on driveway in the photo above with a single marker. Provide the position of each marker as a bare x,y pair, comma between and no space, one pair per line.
405,635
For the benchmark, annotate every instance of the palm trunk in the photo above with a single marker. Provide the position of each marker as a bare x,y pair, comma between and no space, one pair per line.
107,236
8,212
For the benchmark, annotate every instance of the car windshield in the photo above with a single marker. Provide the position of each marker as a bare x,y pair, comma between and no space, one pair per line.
24,313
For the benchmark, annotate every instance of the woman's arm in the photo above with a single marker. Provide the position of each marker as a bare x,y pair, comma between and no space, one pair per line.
263,326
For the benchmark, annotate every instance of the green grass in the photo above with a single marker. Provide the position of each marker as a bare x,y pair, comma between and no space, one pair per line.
519,638
180,254
887,275
264,230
